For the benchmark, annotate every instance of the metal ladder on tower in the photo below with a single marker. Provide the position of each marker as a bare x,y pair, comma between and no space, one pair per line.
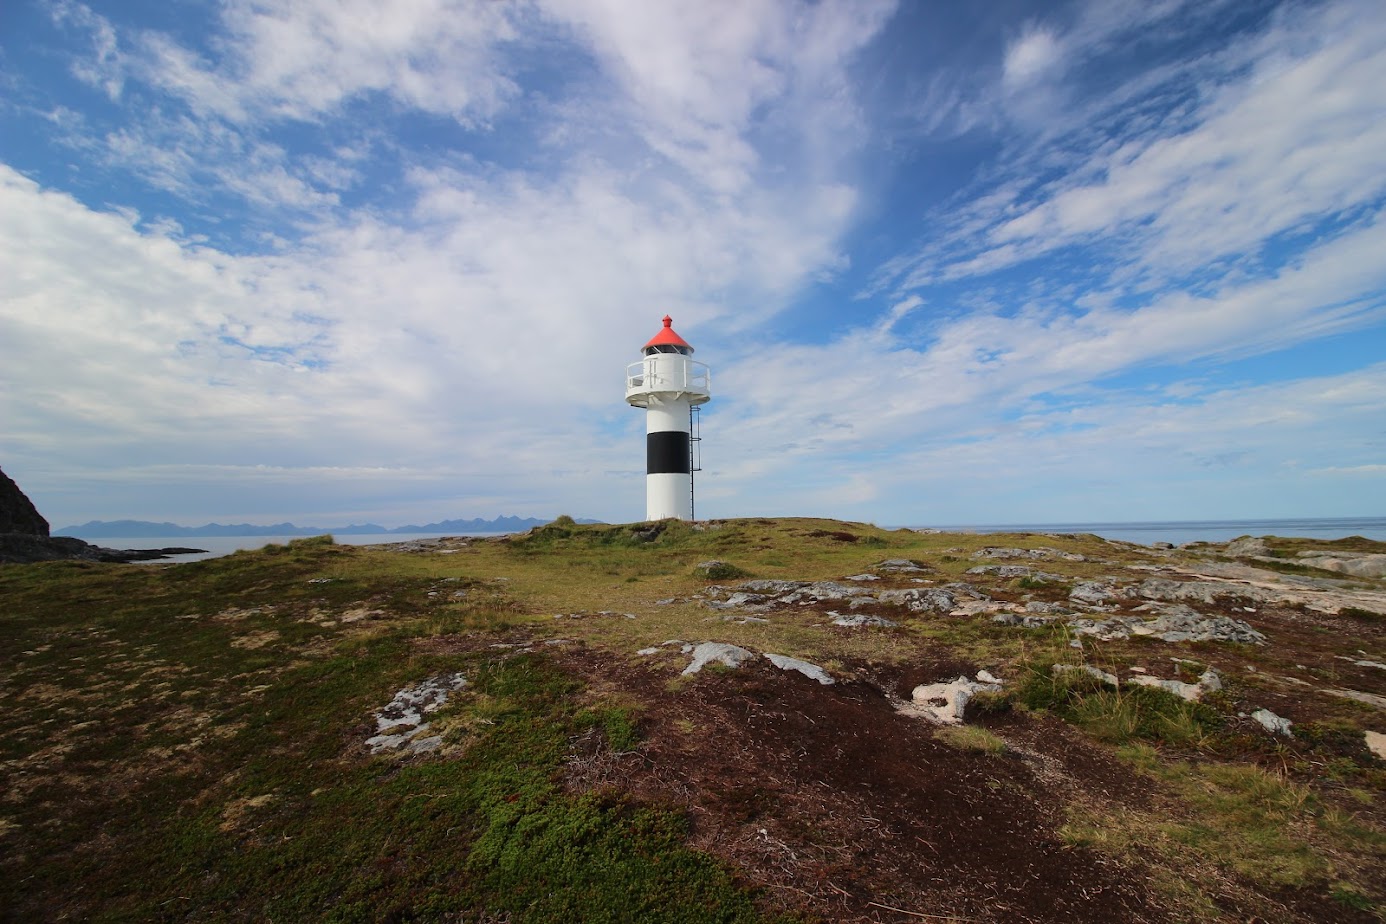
695,454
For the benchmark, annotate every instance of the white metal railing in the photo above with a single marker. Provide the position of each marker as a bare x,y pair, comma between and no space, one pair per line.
658,373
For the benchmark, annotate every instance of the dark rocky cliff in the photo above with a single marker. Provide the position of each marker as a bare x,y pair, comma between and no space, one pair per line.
17,513
24,535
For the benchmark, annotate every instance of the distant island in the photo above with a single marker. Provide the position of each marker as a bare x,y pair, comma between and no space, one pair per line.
135,529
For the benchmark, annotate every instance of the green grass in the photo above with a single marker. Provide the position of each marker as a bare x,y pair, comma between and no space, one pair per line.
1247,820
187,744
185,741
972,738
1116,716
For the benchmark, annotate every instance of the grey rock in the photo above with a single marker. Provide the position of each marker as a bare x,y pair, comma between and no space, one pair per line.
1371,699
1354,564
1198,591
716,653
946,702
1025,621
1189,691
1273,723
811,671
899,565
823,590
1185,626
770,588
716,570
962,589
381,743
400,723
859,620
1361,663
994,551
740,599
1247,547
1003,571
1093,592
1173,610
920,599
411,704
1040,554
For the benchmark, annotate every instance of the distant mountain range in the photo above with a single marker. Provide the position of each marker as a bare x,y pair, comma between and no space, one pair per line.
133,529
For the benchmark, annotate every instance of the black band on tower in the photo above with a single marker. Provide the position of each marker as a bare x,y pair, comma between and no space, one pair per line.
666,453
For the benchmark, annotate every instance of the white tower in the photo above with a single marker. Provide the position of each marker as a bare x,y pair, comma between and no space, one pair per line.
668,384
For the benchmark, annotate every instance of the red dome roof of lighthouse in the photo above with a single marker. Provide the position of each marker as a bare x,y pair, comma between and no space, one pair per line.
667,337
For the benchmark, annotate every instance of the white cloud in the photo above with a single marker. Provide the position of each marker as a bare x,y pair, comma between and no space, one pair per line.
1372,469
1266,448
481,341
1286,132
973,371
458,338
1035,55
303,59
703,80
104,68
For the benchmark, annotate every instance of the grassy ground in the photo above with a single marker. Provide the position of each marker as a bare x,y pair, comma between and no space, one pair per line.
186,741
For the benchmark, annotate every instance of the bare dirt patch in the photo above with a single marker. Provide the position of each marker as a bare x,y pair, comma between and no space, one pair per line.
845,809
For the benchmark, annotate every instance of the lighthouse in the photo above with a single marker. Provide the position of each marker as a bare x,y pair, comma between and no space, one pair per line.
669,385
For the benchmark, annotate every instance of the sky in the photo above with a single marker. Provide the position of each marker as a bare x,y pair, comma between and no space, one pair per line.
336,261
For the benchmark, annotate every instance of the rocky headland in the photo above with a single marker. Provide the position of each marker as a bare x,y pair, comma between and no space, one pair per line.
24,536
760,720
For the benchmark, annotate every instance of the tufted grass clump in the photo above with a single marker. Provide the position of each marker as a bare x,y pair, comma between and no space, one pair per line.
972,738
719,571
1117,716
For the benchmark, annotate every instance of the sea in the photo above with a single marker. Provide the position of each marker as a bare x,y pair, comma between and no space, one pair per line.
217,546
1180,532
1176,532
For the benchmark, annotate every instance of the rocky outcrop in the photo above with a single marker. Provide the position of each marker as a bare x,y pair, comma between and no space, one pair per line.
1173,624
921,599
1199,591
18,514
17,549
1095,593
1276,725
1353,564
1248,547
1208,682
400,725
1040,554
733,656
760,595
24,537
946,702
716,653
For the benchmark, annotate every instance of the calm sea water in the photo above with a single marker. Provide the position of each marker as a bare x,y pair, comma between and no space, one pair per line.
1180,532
217,546
1177,533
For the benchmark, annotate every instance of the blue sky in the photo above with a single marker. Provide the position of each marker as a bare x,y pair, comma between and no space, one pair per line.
345,260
